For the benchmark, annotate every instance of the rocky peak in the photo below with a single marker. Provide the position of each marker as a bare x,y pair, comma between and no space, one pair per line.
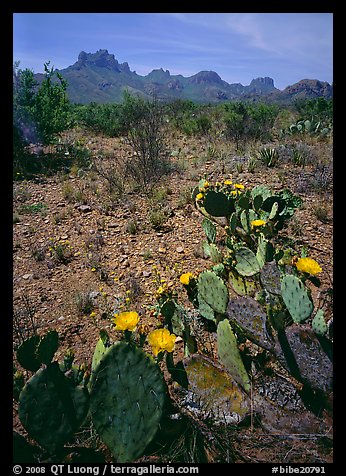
205,77
101,59
261,84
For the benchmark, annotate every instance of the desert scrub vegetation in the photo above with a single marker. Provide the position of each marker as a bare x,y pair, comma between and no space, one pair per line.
158,320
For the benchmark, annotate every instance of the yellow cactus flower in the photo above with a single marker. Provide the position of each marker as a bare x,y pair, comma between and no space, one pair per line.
308,265
160,340
185,278
199,196
126,321
256,223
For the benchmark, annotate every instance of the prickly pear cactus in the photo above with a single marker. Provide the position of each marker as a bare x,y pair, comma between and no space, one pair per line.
205,310
296,298
265,251
319,324
212,251
212,394
270,278
248,314
217,204
213,291
242,286
301,352
99,351
126,401
209,229
247,264
52,407
36,350
229,355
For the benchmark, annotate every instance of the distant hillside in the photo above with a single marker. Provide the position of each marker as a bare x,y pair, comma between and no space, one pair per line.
99,77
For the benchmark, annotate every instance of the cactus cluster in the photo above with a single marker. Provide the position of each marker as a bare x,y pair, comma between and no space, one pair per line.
271,287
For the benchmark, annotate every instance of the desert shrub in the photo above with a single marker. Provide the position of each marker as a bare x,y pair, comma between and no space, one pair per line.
243,122
101,118
40,113
143,121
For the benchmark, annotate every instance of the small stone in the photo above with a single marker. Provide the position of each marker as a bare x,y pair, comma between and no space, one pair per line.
180,249
27,276
84,208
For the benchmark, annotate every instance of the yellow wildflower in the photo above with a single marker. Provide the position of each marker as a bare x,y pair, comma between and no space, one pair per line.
185,278
227,182
199,196
256,223
308,265
239,186
93,269
160,340
206,184
92,314
234,192
126,321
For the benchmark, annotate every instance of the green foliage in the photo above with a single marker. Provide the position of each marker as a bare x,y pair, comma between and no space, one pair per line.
101,118
42,111
321,109
244,122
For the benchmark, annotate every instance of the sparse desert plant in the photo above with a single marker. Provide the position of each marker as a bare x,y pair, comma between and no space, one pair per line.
61,250
84,303
269,156
144,121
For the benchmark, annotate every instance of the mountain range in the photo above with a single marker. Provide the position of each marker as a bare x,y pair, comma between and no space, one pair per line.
99,77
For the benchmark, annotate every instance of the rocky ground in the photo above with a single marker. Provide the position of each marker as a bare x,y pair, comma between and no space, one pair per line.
73,241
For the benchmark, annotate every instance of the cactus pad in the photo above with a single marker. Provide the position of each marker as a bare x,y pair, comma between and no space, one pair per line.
247,264
213,291
212,394
296,298
270,278
242,286
311,361
217,204
51,407
319,324
248,314
229,355
209,229
126,401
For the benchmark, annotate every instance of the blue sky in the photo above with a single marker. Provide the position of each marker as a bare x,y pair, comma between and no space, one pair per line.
287,47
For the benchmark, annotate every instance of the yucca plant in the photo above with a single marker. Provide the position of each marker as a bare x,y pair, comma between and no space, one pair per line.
269,156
